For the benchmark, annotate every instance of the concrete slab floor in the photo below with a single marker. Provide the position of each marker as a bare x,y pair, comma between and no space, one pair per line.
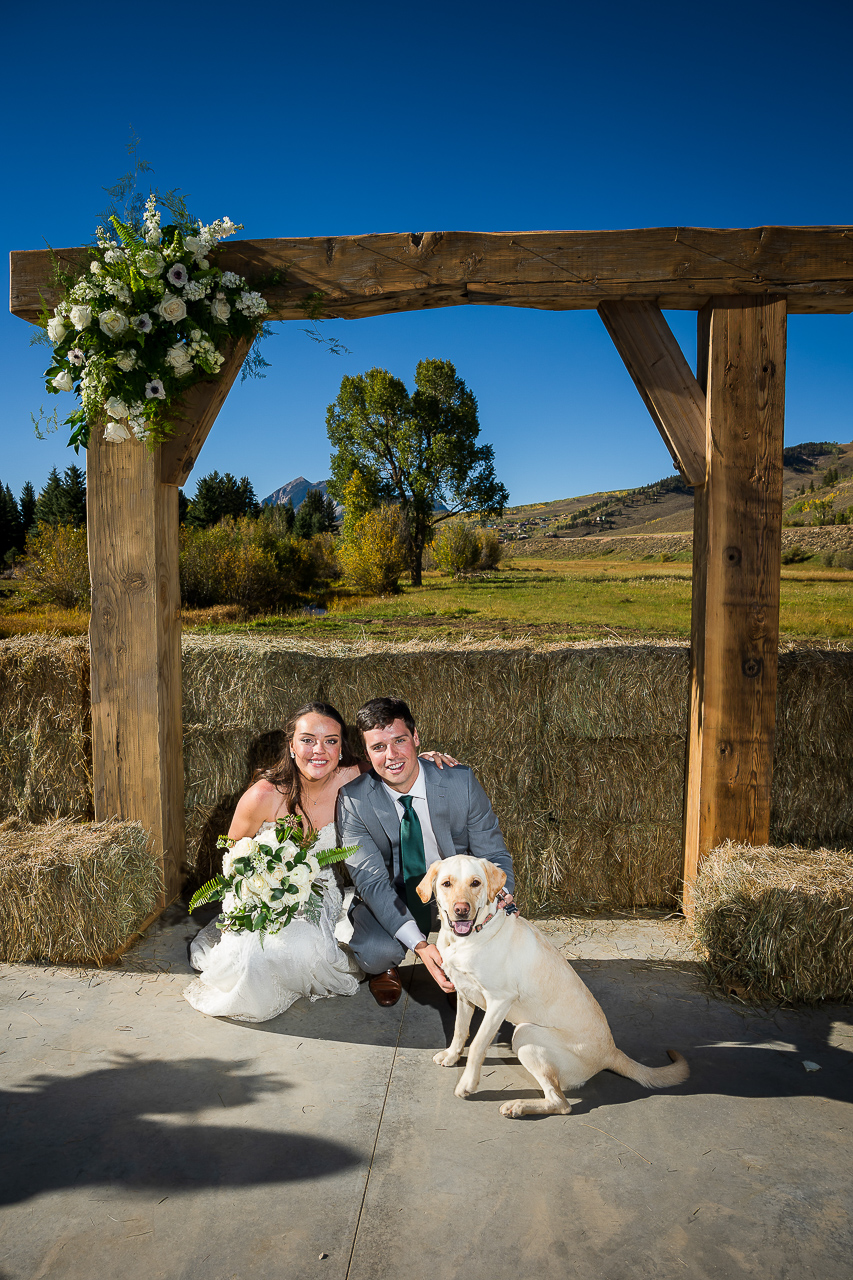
142,1139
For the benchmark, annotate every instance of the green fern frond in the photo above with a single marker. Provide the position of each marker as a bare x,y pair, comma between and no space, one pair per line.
127,235
210,892
329,856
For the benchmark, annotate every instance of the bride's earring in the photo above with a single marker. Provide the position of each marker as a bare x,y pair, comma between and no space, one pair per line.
293,755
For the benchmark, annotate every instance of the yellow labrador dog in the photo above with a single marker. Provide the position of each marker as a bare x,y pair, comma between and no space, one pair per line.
504,965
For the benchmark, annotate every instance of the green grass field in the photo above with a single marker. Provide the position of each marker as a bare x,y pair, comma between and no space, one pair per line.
545,601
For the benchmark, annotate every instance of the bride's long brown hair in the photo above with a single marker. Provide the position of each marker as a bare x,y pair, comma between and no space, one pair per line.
284,774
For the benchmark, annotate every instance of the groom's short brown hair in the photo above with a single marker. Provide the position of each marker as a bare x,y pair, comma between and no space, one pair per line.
378,713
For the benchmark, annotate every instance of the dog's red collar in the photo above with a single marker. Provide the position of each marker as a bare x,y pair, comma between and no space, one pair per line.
483,923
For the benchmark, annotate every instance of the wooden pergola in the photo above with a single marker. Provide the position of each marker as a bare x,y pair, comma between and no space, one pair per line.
723,427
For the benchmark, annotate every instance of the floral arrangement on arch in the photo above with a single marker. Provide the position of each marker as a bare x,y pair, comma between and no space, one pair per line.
268,880
151,316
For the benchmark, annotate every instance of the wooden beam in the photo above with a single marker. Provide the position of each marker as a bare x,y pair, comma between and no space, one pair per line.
135,644
663,378
736,559
674,267
196,414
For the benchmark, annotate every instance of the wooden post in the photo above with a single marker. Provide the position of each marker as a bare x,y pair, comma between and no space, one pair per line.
736,563
135,646
135,628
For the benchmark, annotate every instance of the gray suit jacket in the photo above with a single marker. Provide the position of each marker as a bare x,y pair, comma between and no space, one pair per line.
462,819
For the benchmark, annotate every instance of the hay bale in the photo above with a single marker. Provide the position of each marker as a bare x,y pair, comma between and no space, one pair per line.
777,923
45,728
74,892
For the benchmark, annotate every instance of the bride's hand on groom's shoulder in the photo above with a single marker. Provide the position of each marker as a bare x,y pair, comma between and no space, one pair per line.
439,758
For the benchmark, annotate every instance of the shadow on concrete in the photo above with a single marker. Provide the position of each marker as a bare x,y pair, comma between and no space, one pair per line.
131,1125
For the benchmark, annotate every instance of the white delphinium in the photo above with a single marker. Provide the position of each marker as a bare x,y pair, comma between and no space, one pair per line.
152,221
196,289
251,303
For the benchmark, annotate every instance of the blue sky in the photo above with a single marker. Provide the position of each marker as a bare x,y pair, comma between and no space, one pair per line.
340,119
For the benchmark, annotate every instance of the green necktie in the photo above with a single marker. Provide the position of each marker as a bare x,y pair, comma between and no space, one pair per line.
413,863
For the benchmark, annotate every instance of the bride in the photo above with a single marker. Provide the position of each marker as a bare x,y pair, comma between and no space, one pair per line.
252,976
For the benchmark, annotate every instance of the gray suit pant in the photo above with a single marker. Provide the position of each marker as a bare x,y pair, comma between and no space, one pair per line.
374,949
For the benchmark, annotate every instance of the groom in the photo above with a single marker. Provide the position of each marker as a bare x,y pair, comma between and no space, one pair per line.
403,815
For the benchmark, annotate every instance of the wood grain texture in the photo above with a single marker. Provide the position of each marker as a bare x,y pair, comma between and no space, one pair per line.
135,644
196,413
376,274
737,559
663,378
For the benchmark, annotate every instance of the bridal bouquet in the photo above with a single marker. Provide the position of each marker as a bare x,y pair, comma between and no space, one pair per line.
266,880
149,317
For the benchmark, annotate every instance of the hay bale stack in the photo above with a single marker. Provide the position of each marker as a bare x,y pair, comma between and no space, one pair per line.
45,728
74,892
812,796
778,922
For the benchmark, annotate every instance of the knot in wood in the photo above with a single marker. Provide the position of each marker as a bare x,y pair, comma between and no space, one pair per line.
724,748
751,667
134,581
732,555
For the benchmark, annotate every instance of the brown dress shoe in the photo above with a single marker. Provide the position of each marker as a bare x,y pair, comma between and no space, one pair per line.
386,988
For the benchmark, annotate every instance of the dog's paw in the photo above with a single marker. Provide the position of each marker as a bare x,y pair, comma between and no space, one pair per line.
512,1110
466,1087
444,1058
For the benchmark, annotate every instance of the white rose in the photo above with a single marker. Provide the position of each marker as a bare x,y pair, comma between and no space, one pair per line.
150,262
112,323
227,862
192,243
116,408
229,903
245,847
126,360
301,877
63,382
80,317
56,330
177,359
172,308
115,432
220,310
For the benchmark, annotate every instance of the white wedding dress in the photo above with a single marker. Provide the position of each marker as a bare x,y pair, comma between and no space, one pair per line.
253,977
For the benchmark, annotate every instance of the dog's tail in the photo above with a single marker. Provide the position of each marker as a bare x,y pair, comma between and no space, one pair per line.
651,1077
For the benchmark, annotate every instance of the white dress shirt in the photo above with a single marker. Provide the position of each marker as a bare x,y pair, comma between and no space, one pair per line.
409,933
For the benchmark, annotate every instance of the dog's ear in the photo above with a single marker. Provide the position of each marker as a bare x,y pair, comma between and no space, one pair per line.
427,885
495,878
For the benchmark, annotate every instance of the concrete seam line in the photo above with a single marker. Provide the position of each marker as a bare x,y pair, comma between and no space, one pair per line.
379,1126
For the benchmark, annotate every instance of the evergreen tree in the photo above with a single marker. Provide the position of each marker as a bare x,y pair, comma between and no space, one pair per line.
27,508
72,503
49,503
10,525
219,497
316,514
183,507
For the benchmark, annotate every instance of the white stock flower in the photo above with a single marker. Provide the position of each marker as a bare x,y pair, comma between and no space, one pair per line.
56,330
154,390
172,308
96,268
116,408
196,289
80,317
112,323
150,262
125,360
115,432
231,280
220,309
63,382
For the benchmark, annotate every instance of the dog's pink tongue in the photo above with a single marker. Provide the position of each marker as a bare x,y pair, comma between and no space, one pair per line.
462,927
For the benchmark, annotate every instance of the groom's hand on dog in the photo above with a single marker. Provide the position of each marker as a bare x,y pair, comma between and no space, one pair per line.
431,957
